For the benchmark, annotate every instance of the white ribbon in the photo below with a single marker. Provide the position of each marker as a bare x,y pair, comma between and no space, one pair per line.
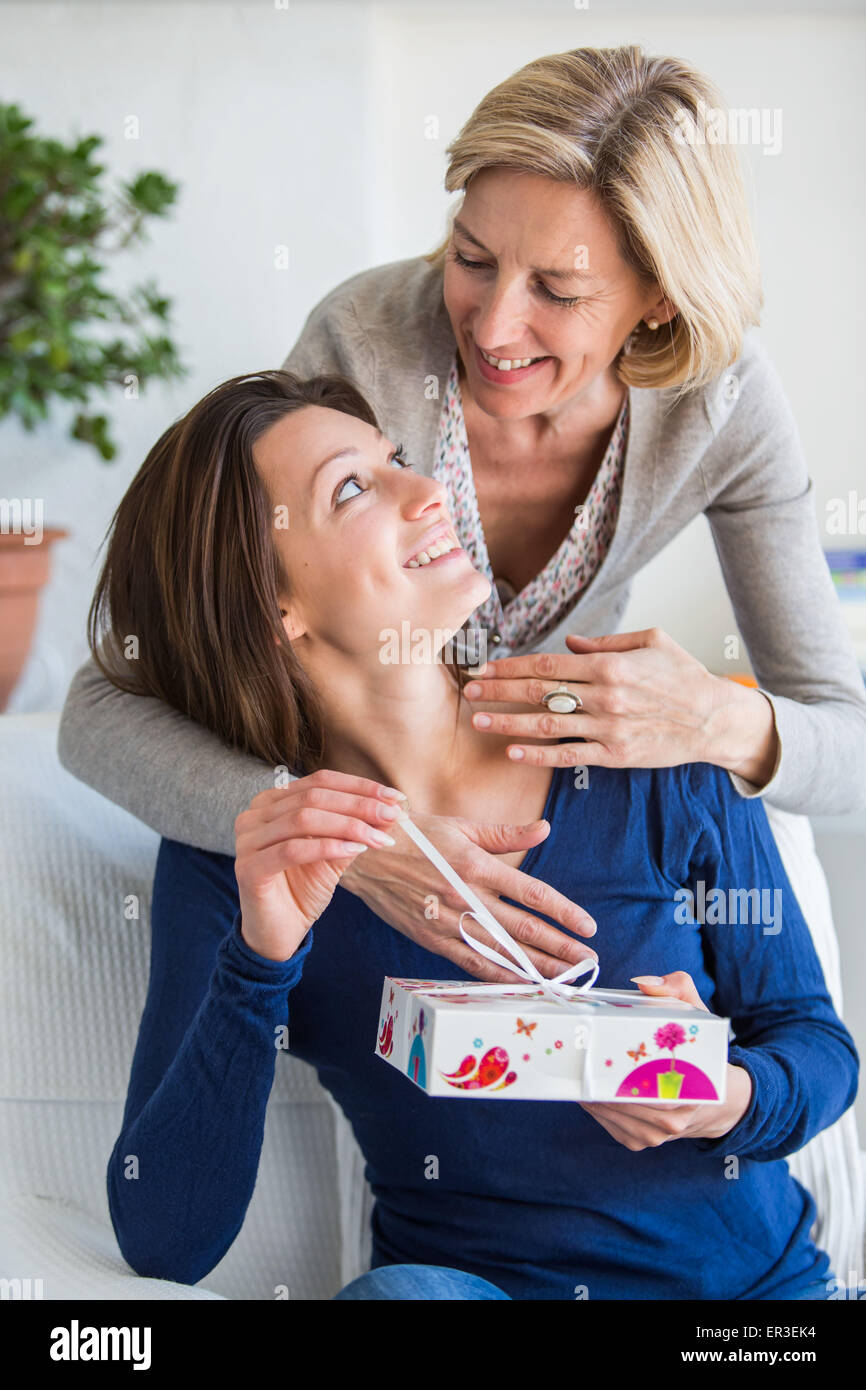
557,989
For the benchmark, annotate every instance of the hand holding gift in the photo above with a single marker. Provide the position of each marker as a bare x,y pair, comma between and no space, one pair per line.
639,1126
547,1039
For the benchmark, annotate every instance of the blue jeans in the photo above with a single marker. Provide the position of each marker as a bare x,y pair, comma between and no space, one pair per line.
421,1282
426,1282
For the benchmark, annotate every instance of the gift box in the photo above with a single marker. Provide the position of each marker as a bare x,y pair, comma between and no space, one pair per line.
519,1044
545,1039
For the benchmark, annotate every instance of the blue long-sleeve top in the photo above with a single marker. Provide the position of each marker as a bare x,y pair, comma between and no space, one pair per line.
535,1196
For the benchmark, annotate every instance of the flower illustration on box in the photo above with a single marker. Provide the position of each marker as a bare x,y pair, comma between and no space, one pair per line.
669,1037
663,1080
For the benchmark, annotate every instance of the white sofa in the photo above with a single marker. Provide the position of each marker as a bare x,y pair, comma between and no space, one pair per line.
74,961
74,971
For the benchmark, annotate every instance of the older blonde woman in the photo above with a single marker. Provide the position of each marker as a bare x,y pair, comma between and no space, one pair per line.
577,365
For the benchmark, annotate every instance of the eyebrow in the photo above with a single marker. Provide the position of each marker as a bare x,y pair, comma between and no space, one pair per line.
554,274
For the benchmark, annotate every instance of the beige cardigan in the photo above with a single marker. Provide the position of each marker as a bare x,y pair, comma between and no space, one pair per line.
730,450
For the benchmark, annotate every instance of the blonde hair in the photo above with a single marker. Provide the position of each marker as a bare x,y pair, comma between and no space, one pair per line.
607,121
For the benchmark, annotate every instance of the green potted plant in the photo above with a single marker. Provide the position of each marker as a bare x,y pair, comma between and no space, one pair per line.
63,335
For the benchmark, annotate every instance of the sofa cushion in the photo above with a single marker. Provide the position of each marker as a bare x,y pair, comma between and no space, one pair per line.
74,871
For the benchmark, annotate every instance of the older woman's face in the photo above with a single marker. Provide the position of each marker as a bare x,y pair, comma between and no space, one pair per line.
533,271
346,542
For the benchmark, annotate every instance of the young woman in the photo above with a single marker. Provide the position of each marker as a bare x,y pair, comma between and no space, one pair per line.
269,548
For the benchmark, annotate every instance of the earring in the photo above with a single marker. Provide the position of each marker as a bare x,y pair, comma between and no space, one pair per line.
652,323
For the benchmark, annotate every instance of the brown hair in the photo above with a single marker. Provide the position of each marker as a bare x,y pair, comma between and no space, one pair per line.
186,608
622,125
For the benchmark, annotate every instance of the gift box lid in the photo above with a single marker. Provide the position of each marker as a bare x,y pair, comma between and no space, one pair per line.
454,995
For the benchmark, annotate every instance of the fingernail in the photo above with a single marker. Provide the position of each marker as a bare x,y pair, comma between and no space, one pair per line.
477,670
647,979
481,721
471,690
516,754
392,791
390,812
381,838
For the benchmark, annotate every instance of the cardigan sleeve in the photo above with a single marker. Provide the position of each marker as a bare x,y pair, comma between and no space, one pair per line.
148,757
764,527
768,980
183,1169
164,768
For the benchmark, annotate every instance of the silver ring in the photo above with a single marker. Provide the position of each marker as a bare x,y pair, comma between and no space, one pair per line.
562,701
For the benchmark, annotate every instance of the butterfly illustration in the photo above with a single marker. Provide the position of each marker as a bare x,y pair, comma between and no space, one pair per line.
526,1027
637,1053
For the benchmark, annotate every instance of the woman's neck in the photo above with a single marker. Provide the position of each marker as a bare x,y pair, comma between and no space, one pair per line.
415,733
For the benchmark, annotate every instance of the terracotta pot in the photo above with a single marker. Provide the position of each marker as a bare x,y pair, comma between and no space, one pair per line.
24,569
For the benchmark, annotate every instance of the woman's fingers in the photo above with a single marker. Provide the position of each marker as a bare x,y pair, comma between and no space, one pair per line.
626,641
406,892
283,855
370,806
610,1122
524,692
532,933
643,1126
505,881
629,1130
542,723
503,675
309,820
545,945
565,754
524,679
359,797
678,985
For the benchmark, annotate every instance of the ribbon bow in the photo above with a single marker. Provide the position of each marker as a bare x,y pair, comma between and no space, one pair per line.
557,989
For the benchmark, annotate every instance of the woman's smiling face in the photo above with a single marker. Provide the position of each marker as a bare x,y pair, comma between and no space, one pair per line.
347,541
533,270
